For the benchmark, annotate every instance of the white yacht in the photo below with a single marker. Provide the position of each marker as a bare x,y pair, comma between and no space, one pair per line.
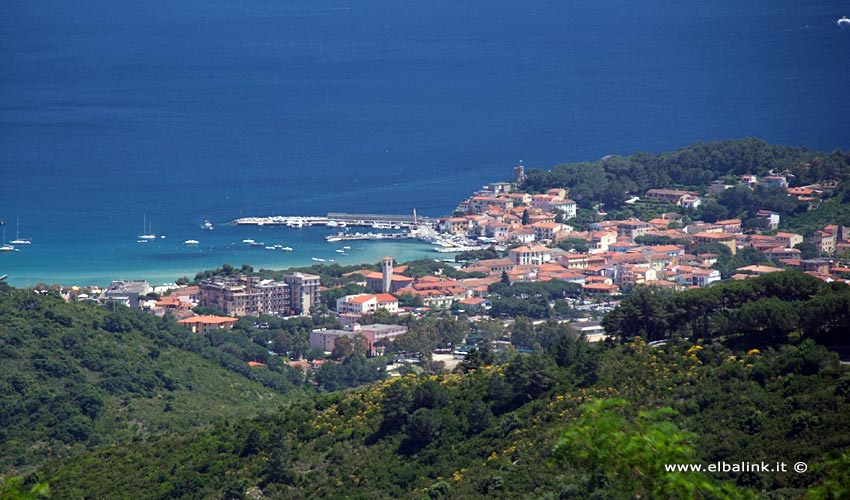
18,240
147,233
191,242
5,247
207,225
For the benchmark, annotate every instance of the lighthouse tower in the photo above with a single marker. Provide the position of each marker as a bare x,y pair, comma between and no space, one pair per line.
387,268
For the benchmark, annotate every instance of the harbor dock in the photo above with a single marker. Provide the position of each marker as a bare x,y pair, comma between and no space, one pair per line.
368,236
407,227
376,221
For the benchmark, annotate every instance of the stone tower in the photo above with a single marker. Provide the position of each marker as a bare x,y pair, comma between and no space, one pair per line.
519,174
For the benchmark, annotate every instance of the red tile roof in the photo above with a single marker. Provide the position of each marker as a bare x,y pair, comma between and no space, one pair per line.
208,320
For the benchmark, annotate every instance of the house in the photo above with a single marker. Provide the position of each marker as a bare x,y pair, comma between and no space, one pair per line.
725,239
592,331
544,201
600,240
496,265
818,266
704,277
520,199
575,260
127,293
172,305
732,226
789,240
473,302
188,294
801,192
669,195
459,226
623,245
825,241
479,204
325,339
772,219
776,181
689,201
633,229
498,231
749,180
634,274
523,235
569,277
781,252
566,207
546,230
533,254
435,292
601,289
756,270
366,303
206,324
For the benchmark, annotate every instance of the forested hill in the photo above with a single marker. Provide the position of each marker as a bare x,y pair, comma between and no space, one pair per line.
570,420
613,179
493,432
74,376
760,311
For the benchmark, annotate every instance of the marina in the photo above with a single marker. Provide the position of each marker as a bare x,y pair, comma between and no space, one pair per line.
341,220
368,236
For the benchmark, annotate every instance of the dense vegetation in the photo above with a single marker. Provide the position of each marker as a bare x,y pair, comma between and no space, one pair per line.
73,376
568,420
614,179
764,310
542,426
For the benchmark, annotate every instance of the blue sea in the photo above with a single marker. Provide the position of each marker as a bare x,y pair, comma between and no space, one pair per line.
111,112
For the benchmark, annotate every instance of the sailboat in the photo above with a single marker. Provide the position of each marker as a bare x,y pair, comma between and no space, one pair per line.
5,247
147,233
18,240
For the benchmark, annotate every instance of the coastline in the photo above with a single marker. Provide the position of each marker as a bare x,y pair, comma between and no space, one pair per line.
164,265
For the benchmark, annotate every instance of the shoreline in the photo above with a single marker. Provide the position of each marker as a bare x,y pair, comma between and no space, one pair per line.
366,252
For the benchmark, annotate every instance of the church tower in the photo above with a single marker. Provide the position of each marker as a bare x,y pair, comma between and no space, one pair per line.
387,268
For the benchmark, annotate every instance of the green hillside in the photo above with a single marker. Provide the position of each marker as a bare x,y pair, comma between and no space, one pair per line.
75,376
569,421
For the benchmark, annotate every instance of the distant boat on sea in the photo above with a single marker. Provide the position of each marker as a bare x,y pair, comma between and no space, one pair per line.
5,247
191,242
147,232
18,240
207,225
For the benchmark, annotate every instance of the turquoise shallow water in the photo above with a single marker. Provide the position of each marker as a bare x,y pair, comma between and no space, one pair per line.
218,109
165,260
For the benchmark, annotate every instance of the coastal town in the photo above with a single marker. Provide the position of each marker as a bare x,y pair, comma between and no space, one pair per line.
502,234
